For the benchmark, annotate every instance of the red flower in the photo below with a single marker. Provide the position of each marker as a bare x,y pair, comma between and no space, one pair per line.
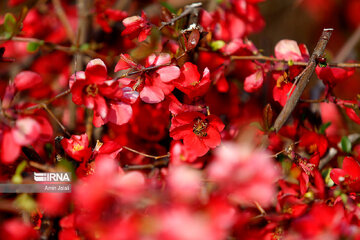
190,81
254,81
26,131
137,26
199,132
349,176
280,93
26,79
77,147
155,84
92,88
332,75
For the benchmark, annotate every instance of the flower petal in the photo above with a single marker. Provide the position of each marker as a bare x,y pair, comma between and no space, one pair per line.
168,74
152,94
96,71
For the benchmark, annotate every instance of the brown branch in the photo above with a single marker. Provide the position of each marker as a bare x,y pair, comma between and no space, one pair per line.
189,9
63,18
303,81
40,105
52,115
54,46
146,155
348,46
157,164
142,70
42,167
272,59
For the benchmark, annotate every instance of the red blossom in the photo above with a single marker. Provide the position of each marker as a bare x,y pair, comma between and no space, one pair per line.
190,81
155,84
199,132
77,147
26,79
137,26
348,176
333,75
93,89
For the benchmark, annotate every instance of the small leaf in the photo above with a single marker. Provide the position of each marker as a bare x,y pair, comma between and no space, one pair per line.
32,46
85,46
17,178
25,202
290,63
257,125
216,45
168,7
193,39
323,127
267,116
9,23
345,144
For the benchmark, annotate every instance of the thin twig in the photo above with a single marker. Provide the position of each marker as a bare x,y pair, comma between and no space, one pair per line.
187,10
348,46
146,155
272,59
303,81
40,105
56,120
42,167
63,18
156,164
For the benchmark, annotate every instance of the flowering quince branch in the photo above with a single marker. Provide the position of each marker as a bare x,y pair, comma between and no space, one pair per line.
303,81
52,115
45,103
189,9
292,63
156,164
54,46
146,155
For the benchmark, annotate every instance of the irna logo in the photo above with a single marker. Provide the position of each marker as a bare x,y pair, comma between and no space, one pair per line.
52,177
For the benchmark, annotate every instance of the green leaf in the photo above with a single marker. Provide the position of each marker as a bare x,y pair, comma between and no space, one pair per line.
9,23
257,125
168,7
290,63
345,144
25,202
17,178
85,46
216,45
32,46
323,127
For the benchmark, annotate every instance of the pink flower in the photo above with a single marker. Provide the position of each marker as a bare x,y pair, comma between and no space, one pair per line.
290,50
246,174
154,84
26,131
254,81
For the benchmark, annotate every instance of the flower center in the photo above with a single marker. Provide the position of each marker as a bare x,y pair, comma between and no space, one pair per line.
78,147
200,127
92,90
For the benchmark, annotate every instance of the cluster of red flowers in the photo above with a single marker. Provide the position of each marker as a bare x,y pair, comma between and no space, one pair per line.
168,127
